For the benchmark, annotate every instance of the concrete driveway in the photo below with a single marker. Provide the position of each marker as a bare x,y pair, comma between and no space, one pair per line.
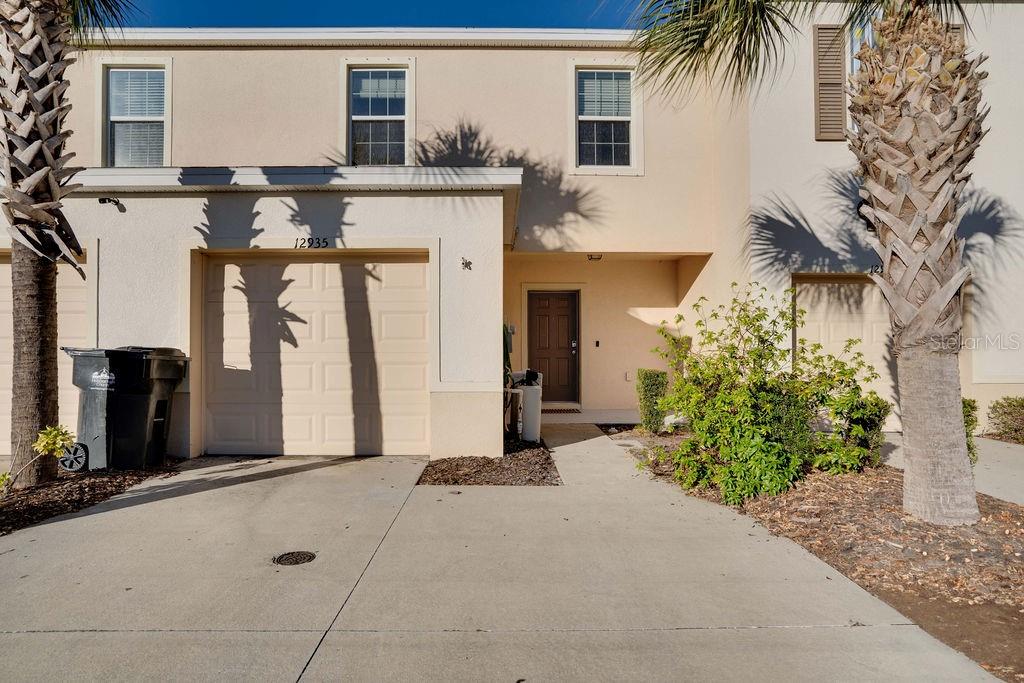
609,577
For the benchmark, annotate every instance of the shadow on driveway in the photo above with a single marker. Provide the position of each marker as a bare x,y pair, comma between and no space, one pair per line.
186,482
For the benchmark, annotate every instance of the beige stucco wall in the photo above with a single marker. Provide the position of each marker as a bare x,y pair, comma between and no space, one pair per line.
148,258
622,301
282,106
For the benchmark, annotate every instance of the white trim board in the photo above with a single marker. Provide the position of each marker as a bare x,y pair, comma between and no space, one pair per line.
361,37
292,179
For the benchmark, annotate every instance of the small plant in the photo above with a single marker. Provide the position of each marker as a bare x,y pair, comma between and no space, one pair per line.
971,426
650,390
1006,418
51,442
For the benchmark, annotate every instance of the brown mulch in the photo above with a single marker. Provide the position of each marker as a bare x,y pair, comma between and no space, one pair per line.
963,585
523,464
69,493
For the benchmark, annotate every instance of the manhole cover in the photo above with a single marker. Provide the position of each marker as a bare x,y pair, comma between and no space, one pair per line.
295,557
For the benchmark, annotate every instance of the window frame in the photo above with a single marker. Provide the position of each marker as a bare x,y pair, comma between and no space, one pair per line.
103,118
635,119
406,64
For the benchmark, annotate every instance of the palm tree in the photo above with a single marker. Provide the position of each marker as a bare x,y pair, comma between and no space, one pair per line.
38,39
914,103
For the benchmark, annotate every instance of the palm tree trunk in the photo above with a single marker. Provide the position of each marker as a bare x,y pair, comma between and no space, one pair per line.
34,400
938,483
915,102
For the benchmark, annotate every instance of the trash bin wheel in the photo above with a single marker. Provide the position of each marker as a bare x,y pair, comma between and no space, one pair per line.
75,458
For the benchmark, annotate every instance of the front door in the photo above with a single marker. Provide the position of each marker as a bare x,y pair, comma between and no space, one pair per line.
554,343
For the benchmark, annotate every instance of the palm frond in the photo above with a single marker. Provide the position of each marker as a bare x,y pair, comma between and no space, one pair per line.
860,12
685,43
100,16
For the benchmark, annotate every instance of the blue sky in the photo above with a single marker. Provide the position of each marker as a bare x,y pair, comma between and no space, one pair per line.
446,13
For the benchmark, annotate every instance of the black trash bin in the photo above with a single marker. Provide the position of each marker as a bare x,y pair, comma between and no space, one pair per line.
125,408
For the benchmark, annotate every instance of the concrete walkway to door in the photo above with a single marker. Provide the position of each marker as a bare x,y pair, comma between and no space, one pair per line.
610,577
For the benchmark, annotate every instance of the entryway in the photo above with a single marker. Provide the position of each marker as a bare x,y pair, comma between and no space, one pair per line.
553,338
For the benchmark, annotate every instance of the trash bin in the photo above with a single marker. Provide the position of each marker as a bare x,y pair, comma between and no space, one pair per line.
124,411
531,384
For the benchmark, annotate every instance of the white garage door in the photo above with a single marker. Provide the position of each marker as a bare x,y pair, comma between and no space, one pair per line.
852,308
73,330
316,357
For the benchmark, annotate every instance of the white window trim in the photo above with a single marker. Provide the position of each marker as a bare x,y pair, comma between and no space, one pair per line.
349,64
102,121
636,119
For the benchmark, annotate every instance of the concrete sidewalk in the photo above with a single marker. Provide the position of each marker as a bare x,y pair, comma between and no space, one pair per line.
999,472
610,577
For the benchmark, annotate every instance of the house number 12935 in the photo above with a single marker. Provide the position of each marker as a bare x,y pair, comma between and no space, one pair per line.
312,243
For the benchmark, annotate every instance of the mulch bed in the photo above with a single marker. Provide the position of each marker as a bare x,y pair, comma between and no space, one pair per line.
523,464
963,585
69,493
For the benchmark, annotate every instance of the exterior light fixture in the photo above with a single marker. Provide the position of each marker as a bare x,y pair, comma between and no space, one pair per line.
595,257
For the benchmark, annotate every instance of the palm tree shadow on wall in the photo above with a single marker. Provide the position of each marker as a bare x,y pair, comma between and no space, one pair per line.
321,217
230,221
783,241
551,203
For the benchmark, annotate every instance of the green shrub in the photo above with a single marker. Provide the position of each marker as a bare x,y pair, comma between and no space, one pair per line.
971,426
750,400
650,390
1006,418
858,420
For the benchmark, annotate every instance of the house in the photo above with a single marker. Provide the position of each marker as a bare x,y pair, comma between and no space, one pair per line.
335,224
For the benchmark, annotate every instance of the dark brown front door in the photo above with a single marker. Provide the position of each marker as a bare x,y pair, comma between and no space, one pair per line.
554,343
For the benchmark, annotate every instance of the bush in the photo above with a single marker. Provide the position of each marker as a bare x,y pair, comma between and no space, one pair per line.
971,426
1006,418
750,401
650,390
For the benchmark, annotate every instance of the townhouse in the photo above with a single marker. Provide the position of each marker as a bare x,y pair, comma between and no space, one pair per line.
335,224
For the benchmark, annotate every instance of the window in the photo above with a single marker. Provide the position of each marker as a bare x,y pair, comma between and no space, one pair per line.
136,117
378,117
603,118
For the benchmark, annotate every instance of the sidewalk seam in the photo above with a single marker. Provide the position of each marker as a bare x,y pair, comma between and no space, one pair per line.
356,584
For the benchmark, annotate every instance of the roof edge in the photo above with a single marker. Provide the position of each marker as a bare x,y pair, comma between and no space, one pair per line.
296,179
360,37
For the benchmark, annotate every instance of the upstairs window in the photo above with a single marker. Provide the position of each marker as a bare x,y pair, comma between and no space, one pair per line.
604,118
136,117
378,117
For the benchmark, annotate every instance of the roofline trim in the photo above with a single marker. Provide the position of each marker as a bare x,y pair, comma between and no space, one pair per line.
297,179
361,37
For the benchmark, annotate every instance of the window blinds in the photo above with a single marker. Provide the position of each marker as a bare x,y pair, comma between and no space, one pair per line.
603,93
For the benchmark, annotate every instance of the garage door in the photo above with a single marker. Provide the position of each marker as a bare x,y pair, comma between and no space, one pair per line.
73,330
852,308
316,356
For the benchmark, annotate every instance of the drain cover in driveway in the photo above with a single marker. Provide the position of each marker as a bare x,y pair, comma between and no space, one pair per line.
295,557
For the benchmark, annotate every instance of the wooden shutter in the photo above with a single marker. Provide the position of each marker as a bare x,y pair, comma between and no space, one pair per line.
829,82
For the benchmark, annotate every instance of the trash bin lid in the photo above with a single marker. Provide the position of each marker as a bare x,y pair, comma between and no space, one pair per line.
142,351
163,352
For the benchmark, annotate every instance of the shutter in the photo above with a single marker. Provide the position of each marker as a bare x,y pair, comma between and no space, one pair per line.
603,93
829,82
958,31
